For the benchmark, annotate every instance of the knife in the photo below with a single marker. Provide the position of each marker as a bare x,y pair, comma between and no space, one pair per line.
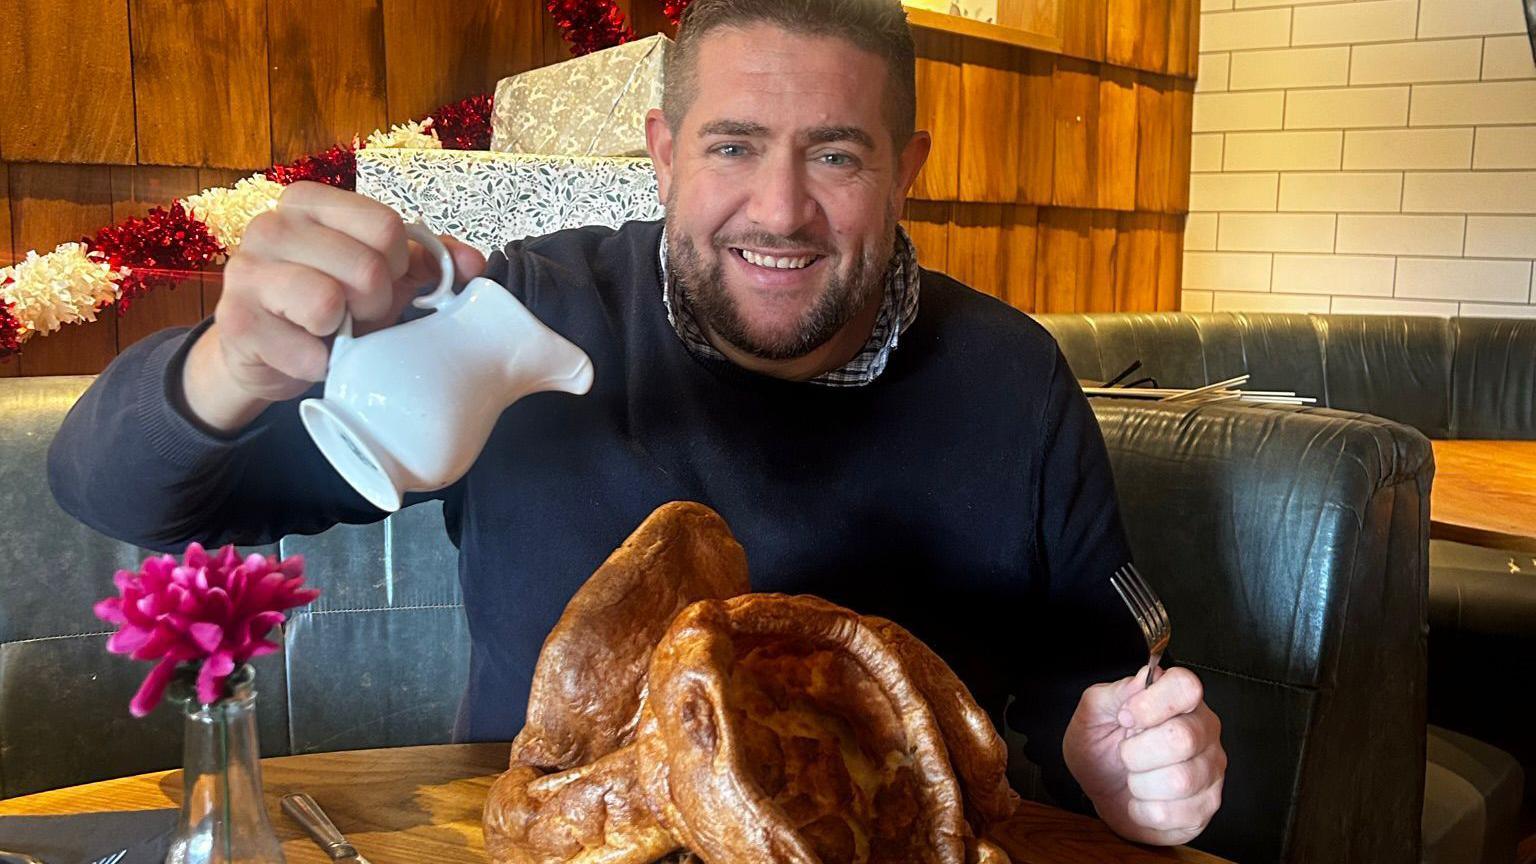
308,814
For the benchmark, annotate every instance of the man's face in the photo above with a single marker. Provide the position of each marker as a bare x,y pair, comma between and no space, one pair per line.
782,187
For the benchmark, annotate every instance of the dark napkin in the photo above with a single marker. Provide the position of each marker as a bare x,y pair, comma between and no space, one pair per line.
85,838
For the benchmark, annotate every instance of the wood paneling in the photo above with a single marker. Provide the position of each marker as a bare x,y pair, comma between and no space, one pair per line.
327,73
1170,276
200,82
441,52
1154,173
1118,148
8,247
1075,106
135,191
54,204
646,17
992,248
928,223
1037,133
938,111
991,87
1192,39
1182,141
1180,13
1137,268
1083,23
66,81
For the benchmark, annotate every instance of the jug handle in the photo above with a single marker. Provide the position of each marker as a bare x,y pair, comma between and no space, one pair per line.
441,294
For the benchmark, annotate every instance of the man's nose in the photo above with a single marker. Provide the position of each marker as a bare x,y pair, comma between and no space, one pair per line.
781,202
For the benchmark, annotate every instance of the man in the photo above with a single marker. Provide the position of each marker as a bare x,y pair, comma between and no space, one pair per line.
877,435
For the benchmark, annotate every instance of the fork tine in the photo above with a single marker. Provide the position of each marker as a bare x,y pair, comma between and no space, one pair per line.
1149,599
1125,589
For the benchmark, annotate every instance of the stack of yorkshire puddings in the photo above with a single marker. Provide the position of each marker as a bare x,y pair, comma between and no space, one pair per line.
674,716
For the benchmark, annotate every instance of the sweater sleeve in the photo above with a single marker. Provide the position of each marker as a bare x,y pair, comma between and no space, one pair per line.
1080,634
130,462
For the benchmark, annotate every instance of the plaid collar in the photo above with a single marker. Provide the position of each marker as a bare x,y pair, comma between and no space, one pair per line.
897,312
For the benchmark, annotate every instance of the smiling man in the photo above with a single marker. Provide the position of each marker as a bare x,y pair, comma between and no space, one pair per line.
874,433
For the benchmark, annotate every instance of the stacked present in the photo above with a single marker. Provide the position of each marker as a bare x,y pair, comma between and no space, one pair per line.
563,154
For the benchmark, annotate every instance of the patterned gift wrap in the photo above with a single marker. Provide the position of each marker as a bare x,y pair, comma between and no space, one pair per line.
490,199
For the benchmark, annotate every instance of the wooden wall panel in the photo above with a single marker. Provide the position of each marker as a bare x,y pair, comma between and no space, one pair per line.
990,152
66,66
9,249
1103,236
1137,267
1037,135
1083,24
1122,31
938,111
992,248
443,51
1154,174
135,191
54,204
1180,13
1170,277
1075,106
200,82
1152,47
1192,39
1182,142
928,223
328,74
1065,259
1118,147
646,17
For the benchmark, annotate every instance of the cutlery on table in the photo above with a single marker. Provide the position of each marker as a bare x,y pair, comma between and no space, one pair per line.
308,814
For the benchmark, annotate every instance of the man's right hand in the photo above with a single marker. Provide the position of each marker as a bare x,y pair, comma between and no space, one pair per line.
322,253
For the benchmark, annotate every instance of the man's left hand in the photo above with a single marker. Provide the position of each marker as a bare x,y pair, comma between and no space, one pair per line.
1150,758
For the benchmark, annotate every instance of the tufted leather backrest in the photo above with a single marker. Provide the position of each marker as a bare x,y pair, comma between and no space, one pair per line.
1290,547
379,660
1448,378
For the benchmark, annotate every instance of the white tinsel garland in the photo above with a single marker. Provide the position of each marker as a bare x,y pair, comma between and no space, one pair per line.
62,287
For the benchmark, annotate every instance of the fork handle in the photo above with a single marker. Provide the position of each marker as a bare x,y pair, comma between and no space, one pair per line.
1152,666
320,828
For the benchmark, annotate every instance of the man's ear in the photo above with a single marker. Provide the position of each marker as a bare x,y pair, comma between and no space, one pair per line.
658,140
909,162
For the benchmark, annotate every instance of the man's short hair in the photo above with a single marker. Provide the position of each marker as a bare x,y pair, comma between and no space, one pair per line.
877,26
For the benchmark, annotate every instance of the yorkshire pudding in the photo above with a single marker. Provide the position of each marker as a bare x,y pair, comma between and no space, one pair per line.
671,720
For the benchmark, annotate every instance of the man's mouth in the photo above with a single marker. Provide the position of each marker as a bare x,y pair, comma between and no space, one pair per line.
776,262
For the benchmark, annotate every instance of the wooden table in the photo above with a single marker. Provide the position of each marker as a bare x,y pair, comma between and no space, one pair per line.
1485,494
415,804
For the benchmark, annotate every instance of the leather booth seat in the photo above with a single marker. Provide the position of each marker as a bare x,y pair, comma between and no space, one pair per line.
1448,378
1289,547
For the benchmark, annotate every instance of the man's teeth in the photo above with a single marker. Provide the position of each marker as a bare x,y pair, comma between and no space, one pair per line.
777,263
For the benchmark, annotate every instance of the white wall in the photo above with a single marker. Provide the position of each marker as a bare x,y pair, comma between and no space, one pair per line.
1363,156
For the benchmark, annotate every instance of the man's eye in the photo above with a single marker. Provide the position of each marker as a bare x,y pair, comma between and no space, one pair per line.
836,160
730,151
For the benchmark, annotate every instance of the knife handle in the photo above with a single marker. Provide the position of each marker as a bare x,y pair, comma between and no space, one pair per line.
308,814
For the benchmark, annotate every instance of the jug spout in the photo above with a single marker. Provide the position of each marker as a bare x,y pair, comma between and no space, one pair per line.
564,368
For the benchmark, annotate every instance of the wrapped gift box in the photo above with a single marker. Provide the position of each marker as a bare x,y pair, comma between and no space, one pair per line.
490,199
593,105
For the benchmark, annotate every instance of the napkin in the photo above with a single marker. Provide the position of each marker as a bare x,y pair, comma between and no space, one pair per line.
85,838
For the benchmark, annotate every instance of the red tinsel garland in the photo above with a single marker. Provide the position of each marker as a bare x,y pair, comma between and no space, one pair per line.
155,249
10,329
464,125
590,25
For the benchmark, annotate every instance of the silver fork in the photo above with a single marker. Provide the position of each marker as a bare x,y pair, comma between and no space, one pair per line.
112,859
1150,613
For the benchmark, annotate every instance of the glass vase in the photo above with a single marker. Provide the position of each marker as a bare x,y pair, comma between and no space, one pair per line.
223,814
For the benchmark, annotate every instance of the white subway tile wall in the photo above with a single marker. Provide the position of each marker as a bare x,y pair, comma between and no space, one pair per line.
1363,157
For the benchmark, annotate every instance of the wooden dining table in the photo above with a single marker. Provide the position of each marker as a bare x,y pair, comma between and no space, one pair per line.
1485,494
414,804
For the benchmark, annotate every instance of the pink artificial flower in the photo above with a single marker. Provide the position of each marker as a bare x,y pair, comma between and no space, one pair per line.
215,611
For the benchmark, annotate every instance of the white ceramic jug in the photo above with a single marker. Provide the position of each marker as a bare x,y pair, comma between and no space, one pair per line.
410,407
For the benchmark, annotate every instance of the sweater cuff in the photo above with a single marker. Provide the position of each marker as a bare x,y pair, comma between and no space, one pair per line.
168,425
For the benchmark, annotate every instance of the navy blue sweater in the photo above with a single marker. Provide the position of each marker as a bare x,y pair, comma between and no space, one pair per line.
965,494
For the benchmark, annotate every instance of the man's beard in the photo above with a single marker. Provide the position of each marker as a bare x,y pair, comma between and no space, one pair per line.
703,289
